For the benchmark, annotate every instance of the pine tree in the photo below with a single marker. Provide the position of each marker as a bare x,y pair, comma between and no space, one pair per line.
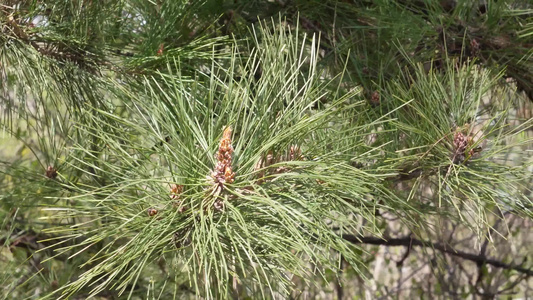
265,149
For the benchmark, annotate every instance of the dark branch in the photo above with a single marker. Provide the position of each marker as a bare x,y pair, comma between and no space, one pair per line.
410,242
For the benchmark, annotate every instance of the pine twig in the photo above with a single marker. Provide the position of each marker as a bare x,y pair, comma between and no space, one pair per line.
410,242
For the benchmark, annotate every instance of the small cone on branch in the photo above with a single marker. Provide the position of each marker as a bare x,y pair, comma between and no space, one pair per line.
51,172
152,212
459,147
462,143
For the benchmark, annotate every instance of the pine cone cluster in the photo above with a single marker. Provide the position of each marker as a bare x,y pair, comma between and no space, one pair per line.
461,143
223,172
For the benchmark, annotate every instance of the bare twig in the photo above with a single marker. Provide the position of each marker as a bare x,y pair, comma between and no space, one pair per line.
410,242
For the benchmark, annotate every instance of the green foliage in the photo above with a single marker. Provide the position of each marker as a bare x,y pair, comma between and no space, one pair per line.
174,149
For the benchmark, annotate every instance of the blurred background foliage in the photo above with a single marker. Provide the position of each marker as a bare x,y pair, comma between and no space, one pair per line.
382,149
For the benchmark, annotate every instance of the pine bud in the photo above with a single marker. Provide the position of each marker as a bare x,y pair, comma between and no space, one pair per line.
375,98
51,172
161,49
175,191
152,211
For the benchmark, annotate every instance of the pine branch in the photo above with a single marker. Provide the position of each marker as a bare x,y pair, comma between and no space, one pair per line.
44,48
410,242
